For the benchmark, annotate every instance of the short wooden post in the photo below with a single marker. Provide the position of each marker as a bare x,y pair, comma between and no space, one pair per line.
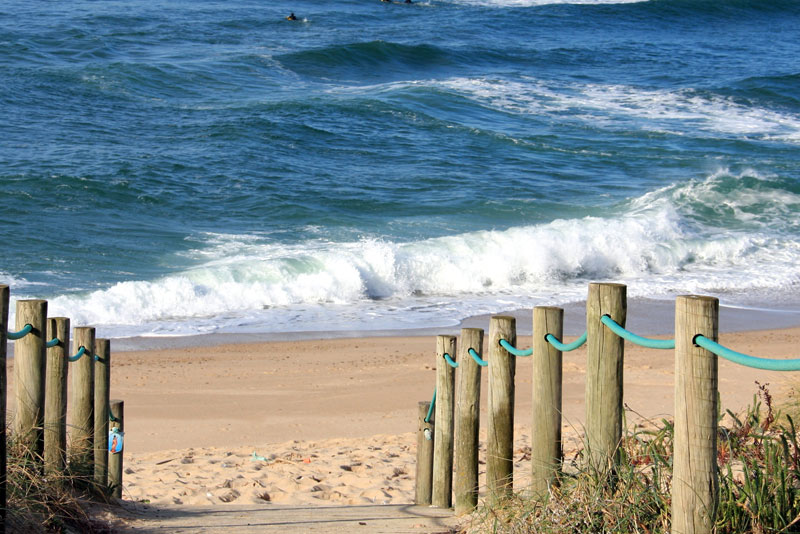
29,373
4,305
468,386
604,353
81,402
102,379
546,452
424,455
115,459
500,425
55,398
694,480
445,410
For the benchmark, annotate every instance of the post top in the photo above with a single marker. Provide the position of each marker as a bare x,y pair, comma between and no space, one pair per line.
698,297
471,330
607,284
446,336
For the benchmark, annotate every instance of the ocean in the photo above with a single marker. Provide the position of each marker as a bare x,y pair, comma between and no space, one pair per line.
174,168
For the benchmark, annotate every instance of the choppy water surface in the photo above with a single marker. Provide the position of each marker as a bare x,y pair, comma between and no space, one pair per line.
185,167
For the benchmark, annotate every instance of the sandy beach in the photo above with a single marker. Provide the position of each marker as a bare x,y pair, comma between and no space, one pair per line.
332,421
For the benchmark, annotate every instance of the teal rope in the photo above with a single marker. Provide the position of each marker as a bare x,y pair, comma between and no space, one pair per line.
21,333
633,338
99,359
111,416
550,338
430,409
513,350
746,360
52,343
450,361
478,360
81,352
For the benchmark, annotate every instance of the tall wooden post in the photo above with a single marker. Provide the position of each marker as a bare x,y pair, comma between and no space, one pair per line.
500,426
424,455
29,372
4,303
467,421
546,452
694,478
102,380
604,352
115,459
81,395
55,401
445,409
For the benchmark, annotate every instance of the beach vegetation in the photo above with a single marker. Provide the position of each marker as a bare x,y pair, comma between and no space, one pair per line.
759,483
42,502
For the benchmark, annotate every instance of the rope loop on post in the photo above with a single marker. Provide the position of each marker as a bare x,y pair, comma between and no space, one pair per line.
477,358
511,349
550,338
99,359
633,338
452,363
745,359
81,352
20,333
430,409
52,343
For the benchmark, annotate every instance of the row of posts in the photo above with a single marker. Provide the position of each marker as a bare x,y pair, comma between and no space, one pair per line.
41,375
447,463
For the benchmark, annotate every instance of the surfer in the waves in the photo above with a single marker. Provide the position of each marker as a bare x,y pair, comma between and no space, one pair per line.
291,17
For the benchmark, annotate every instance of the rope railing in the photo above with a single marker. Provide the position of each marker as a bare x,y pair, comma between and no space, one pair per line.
52,343
513,350
430,409
550,338
81,352
766,364
477,358
633,338
452,363
20,333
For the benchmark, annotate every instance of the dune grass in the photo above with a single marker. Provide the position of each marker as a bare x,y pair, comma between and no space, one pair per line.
759,483
52,502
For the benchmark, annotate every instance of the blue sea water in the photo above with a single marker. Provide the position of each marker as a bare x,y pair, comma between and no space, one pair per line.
183,167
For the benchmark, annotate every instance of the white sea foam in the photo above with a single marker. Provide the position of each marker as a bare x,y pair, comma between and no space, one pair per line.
532,3
655,245
679,111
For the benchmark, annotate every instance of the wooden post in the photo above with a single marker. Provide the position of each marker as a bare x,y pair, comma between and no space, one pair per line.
424,455
115,459
55,398
468,385
546,452
29,372
445,408
81,402
604,353
102,379
500,426
4,303
694,479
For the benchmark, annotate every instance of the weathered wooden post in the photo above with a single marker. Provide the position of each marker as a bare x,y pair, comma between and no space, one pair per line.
4,303
500,425
604,353
442,495
55,399
29,372
546,452
117,415
102,380
468,385
694,478
424,455
81,395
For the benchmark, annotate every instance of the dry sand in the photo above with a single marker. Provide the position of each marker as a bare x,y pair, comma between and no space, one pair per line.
335,419
332,422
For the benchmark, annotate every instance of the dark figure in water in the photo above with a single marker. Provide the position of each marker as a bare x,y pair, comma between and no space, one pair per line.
291,17
409,2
